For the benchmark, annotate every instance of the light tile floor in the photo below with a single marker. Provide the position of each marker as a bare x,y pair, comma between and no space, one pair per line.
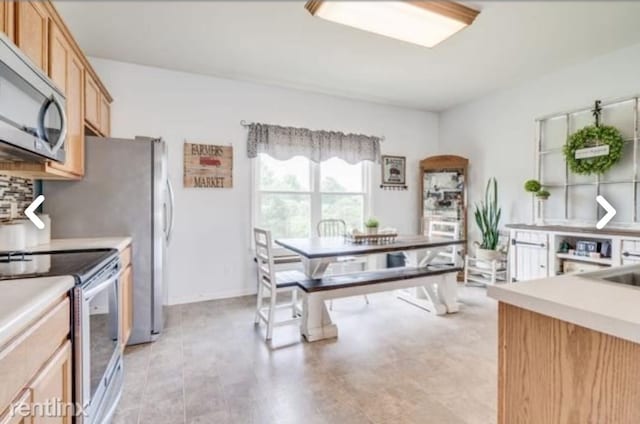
392,363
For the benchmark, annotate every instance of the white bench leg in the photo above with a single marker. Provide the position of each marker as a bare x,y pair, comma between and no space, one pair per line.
294,303
316,321
439,308
448,293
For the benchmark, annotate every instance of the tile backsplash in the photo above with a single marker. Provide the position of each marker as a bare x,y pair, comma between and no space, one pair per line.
14,190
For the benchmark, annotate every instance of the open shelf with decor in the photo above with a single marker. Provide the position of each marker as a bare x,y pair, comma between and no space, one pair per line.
576,253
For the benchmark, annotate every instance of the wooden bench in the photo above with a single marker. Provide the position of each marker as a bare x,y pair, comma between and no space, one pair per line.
367,278
436,284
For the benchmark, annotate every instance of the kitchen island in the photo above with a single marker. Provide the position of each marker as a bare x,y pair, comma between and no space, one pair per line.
569,349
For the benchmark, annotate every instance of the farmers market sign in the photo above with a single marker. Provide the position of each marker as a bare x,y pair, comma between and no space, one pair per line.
208,166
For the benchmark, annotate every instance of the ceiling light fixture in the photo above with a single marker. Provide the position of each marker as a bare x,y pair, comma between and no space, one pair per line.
426,23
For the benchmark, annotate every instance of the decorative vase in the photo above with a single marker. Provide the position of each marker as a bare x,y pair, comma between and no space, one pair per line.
372,230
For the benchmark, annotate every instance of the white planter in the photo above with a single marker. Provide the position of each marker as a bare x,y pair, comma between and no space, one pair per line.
487,254
372,230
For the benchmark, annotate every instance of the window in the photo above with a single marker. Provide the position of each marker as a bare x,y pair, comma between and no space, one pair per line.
292,196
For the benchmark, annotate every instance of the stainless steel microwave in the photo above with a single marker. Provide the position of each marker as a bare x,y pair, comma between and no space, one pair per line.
33,123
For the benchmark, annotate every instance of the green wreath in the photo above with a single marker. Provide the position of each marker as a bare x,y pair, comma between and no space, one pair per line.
585,138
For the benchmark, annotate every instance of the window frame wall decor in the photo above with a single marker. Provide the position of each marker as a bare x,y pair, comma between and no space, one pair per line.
569,188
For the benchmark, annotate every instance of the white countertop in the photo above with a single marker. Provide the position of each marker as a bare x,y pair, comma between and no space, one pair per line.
83,243
602,306
23,301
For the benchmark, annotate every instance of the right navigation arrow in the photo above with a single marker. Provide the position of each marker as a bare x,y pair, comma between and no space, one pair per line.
611,212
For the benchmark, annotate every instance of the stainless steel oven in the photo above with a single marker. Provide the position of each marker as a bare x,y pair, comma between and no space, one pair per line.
98,357
33,124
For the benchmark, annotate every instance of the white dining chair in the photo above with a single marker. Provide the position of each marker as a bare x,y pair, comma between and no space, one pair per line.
269,284
336,228
448,230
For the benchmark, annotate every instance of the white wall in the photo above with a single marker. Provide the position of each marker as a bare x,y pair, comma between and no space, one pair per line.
209,254
497,132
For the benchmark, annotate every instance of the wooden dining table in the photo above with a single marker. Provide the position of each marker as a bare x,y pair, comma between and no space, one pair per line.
422,283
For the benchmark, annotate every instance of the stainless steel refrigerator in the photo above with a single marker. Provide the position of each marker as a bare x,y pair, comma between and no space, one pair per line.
125,191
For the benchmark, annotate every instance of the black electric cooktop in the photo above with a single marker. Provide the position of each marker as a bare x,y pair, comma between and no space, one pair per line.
81,264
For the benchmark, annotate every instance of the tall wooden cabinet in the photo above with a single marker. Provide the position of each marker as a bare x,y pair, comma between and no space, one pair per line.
39,31
444,191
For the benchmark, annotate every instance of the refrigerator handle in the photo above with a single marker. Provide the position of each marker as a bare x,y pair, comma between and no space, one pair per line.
172,202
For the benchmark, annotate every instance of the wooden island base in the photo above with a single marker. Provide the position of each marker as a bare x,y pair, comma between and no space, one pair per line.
551,371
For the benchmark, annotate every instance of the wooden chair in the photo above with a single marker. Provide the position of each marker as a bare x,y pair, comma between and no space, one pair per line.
486,272
270,285
448,230
335,228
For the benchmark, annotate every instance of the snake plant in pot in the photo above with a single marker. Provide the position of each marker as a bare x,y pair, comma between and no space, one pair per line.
487,215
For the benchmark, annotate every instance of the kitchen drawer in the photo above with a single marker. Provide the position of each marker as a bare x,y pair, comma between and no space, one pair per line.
125,257
630,251
573,267
21,358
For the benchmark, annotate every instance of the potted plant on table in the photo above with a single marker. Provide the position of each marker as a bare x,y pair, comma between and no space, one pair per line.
487,216
372,225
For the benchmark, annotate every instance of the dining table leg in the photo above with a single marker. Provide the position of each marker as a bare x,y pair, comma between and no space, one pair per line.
316,321
438,296
316,268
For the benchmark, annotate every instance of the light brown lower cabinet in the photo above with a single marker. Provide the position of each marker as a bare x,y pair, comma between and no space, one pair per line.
126,295
22,403
35,370
51,392
555,372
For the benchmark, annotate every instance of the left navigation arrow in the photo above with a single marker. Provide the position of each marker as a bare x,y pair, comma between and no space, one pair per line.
30,212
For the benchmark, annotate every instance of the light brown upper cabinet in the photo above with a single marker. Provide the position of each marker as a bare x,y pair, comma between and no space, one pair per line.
105,116
32,20
40,32
91,102
67,72
7,18
97,108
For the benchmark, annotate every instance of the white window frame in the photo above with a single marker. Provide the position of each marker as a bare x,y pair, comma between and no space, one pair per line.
315,193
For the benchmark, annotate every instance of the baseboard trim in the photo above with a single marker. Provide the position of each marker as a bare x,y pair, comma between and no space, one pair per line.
203,297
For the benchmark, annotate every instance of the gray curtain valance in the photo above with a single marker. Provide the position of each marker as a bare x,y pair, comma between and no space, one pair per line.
286,142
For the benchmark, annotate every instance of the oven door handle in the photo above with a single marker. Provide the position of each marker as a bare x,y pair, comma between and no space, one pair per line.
91,292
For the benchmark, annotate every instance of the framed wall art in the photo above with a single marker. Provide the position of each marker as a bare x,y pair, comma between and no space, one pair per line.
394,172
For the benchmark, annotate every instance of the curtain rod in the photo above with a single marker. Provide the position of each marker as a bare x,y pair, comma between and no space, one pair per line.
246,124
